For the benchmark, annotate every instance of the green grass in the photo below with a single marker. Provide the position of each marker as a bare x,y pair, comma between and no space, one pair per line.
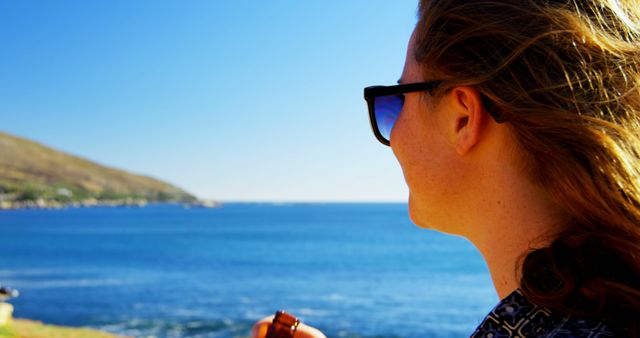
23,328
6,331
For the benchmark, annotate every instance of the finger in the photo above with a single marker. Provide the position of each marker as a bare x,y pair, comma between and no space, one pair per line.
306,331
261,327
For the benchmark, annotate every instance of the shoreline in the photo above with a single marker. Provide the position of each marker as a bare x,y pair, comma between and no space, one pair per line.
92,203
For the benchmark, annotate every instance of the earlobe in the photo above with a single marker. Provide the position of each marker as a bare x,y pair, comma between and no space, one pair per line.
469,118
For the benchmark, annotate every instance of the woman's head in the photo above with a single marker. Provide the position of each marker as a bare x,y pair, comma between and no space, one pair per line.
564,76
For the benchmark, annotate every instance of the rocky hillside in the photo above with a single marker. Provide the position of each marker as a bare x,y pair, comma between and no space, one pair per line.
32,174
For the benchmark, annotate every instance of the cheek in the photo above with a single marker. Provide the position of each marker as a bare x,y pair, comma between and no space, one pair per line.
406,136
428,169
413,147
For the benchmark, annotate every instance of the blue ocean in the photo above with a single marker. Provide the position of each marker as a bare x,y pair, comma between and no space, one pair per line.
351,270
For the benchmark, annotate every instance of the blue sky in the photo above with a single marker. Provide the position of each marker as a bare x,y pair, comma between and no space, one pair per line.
230,100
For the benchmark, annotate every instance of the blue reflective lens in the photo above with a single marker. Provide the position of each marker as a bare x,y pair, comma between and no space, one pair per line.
387,108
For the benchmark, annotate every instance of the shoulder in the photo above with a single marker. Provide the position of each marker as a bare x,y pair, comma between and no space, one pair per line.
574,327
515,316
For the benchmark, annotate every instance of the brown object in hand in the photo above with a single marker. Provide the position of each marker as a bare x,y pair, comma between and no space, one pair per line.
284,325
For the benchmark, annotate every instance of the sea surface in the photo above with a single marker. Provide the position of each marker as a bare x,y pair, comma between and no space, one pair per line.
352,270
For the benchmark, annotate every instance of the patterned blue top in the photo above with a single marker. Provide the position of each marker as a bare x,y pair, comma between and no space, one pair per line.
515,316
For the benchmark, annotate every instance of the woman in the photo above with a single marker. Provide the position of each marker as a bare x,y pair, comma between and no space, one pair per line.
517,126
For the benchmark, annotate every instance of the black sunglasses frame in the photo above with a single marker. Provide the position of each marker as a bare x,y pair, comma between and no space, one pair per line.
370,94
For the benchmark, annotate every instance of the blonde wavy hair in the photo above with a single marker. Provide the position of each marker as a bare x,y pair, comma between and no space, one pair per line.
565,77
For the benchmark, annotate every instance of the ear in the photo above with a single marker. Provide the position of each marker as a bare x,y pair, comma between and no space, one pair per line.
469,118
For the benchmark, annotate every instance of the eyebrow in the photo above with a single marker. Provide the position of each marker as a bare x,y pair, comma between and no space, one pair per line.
400,81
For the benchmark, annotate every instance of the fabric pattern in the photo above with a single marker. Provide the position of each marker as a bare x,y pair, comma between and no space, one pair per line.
516,317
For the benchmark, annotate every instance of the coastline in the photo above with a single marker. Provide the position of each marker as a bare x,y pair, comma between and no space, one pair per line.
46,204
92,202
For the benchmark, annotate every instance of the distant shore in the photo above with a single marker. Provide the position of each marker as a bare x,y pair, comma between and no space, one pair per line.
92,202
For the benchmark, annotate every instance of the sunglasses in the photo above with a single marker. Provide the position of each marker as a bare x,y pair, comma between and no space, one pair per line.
385,104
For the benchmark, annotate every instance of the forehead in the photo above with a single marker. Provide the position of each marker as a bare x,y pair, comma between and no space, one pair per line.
412,71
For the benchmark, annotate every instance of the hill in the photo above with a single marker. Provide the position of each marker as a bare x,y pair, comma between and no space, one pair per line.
34,175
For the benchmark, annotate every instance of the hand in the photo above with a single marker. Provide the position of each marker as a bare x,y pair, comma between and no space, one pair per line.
304,331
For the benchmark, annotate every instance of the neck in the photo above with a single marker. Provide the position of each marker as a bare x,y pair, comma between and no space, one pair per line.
503,255
513,218
519,222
